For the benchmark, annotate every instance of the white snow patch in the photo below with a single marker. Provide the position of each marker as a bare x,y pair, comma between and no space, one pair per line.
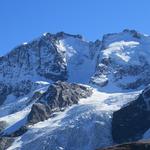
42,82
120,49
25,43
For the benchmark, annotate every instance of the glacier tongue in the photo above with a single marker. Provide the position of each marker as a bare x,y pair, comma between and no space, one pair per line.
84,126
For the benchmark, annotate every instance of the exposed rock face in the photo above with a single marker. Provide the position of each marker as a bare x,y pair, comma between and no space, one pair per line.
58,96
62,94
39,112
131,122
142,145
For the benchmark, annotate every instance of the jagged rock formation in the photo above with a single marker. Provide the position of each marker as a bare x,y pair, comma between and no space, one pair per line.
58,96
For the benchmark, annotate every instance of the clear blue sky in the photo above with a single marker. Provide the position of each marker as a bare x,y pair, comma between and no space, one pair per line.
24,20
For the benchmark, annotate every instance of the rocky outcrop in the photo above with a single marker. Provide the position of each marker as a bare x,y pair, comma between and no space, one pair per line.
58,96
39,112
141,145
132,121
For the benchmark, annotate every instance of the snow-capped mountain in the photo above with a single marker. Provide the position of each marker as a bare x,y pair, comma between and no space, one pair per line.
60,91
50,58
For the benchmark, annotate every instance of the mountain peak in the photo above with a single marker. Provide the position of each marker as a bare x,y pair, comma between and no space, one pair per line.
60,35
